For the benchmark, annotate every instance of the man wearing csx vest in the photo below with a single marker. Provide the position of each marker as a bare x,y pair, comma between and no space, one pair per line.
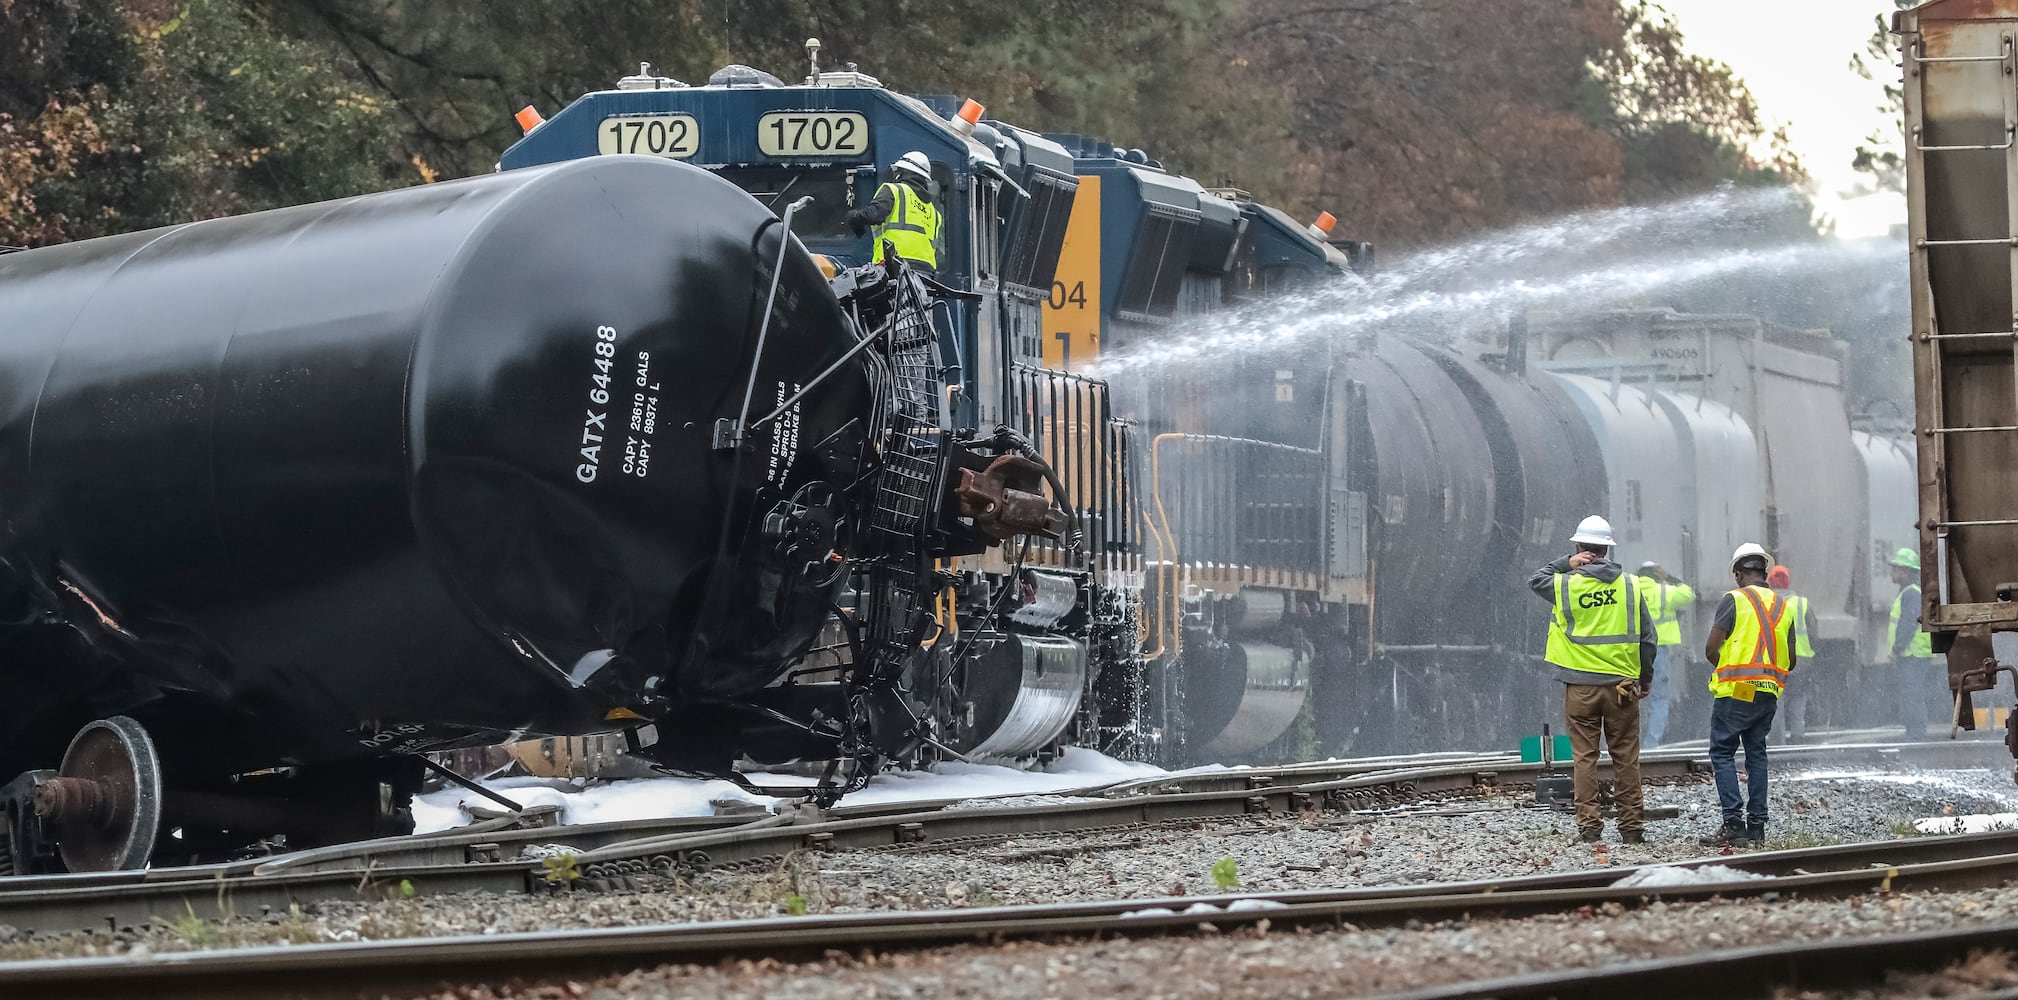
1751,645
902,213
1601,642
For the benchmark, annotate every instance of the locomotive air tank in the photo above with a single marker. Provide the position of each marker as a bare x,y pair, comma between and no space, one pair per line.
417,469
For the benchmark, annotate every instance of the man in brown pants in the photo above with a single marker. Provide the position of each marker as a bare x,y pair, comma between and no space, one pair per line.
1602,644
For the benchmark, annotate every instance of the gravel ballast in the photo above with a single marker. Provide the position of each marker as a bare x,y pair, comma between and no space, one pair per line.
1494,838
1256,964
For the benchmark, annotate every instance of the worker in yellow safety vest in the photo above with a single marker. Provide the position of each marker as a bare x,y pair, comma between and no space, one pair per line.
902,214
1667,597
1601,643
1790,721
1751,648
1912,650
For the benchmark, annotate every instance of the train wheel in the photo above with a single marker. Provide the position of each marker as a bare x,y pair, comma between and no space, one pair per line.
104,806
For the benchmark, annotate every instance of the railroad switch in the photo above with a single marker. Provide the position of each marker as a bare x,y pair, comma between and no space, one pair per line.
1555,791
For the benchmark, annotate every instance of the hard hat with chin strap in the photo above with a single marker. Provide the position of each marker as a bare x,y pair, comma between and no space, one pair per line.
913,163
1752,552
1594,530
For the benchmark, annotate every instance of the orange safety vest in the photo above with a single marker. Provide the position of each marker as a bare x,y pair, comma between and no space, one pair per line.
1754,656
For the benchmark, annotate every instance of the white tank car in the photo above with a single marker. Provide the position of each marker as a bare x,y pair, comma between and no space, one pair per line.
1756,446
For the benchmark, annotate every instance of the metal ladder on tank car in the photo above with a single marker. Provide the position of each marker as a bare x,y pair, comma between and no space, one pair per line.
1936,433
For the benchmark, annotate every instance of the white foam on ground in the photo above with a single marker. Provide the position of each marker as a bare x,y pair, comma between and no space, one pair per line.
1665,875
1974,823
660,798
1937,780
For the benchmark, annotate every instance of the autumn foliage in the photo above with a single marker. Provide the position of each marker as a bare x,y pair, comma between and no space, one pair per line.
1412,120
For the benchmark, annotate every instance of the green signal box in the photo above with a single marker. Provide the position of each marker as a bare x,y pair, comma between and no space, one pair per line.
1531,748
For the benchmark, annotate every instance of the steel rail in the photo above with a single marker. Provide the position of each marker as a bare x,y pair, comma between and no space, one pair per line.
444,863
420,963
52,903
1759,971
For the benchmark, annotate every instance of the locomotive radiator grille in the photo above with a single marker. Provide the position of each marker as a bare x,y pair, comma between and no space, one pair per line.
1068,419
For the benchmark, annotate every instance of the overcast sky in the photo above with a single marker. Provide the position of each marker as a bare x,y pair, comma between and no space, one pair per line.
1795,55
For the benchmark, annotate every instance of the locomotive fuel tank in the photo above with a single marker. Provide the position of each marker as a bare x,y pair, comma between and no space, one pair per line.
411,470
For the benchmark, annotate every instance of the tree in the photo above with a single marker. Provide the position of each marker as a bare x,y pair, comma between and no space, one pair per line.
1881,154
54,58
1417,137
118,115
1414,120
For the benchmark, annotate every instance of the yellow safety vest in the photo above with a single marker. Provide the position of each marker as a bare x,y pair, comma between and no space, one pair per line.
1754,657
913,227
1665,602
1797,612
1595,626
1922,645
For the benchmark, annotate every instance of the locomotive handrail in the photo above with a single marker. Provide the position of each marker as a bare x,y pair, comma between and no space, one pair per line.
732,436
793,399
1167,565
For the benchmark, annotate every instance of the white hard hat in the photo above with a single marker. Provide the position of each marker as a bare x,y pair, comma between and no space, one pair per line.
1594,530
913,162
1752,550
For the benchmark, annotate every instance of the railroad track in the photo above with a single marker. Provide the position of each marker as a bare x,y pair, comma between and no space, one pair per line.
1933,863
487,857
1764,971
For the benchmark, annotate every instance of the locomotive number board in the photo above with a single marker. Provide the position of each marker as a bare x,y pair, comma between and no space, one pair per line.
812,133
674,136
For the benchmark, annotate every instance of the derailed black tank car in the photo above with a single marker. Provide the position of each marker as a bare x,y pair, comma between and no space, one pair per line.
318,488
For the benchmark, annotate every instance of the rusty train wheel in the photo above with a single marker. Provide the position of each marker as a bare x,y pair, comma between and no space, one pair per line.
104,807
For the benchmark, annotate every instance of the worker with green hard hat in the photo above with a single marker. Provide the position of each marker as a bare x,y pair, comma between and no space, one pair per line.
1911,650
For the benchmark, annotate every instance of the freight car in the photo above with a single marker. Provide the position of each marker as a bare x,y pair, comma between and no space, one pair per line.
1962,214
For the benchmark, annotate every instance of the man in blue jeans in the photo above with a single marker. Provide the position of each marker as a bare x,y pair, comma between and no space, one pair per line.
1667,597
1752,649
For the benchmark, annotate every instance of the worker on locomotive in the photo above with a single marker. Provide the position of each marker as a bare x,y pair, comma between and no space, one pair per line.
1911,650
902,214
1667,597
1602,644
1751,649
1790,723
